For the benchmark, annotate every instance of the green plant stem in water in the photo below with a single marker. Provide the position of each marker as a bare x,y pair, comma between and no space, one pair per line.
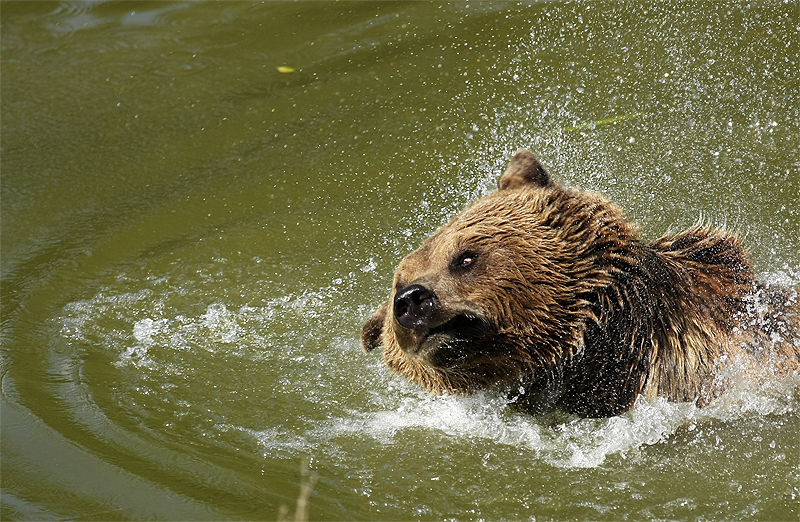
594,124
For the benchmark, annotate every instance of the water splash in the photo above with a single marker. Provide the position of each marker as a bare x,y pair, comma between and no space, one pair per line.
283,355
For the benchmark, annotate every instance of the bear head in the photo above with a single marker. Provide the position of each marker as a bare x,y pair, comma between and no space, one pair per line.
501,295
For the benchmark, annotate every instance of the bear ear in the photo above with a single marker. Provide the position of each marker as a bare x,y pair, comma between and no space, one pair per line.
371,333
524,171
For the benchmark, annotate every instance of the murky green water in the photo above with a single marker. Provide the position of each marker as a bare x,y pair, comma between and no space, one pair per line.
192,239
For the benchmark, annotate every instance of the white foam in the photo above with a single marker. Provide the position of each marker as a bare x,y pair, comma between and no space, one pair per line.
144,330
222,323
567,443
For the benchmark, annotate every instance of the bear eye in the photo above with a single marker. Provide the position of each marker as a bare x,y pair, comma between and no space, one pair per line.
465,260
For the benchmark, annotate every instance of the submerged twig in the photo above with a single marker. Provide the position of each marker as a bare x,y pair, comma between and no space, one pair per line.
309,478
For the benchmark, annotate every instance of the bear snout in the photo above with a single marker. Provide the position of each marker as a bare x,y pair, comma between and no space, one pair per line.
413,307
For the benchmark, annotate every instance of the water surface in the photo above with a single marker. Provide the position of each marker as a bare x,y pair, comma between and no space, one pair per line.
192,239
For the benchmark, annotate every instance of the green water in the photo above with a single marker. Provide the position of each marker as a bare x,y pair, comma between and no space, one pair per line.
191,241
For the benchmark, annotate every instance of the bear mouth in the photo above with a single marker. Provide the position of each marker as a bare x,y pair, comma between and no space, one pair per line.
446,344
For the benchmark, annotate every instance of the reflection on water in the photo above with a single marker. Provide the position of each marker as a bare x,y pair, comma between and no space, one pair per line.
192,240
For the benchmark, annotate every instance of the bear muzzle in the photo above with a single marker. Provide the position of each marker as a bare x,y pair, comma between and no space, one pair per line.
435,333
414,307
416,313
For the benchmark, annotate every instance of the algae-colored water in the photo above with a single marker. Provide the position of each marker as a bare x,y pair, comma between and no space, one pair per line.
192,239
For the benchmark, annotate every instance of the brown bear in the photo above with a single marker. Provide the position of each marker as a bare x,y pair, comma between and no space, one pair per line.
549,293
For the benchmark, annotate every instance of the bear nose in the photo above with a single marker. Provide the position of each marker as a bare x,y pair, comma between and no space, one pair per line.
413,307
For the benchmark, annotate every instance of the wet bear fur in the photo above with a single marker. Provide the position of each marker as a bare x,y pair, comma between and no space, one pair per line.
549,293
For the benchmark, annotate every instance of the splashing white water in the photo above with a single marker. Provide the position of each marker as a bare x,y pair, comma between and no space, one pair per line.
567,443
290,351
